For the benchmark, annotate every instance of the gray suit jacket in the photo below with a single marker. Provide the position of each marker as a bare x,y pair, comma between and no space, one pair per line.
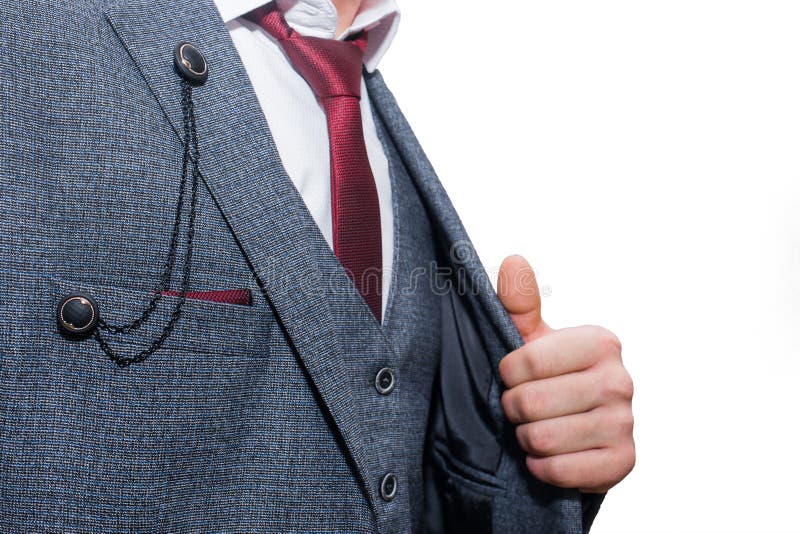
89,133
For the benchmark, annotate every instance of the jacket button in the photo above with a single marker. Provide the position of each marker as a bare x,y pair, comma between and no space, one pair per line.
77,314
190,63
384,381
388,487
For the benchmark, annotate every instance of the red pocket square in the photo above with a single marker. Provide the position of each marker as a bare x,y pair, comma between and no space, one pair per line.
226,296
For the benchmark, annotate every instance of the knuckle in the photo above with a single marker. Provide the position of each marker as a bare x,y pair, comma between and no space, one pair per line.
516,405
534,364
626,423
534,403
540,438
625,385
626,462
508,404
522,437
516,366
616,383
631,457
557,471
622,463
608,344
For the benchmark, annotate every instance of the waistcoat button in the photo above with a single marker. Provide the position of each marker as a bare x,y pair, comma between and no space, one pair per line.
77,314
385,381
388,487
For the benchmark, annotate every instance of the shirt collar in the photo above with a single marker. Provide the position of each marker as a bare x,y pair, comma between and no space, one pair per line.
318,18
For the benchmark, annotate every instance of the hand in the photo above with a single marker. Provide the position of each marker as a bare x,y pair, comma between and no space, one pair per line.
567,391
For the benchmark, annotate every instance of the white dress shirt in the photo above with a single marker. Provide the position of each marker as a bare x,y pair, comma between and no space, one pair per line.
295,117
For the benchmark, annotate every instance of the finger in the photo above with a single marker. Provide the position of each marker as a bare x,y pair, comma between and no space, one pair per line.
592,471
601,427
568,394
560,352
519,294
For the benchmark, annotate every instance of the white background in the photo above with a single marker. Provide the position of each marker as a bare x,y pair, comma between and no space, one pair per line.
644,156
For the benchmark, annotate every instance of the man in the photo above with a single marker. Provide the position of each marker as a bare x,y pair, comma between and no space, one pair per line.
236,297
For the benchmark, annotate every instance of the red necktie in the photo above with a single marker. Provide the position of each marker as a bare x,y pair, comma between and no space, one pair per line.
333,70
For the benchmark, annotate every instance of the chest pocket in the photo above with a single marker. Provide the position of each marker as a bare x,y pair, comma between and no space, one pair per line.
205,329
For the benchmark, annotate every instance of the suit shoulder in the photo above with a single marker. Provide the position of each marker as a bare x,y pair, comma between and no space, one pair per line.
29,14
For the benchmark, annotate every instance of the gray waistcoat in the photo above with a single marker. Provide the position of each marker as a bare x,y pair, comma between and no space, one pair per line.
408,343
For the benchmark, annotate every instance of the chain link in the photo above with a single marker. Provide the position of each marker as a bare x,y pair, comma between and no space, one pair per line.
191,158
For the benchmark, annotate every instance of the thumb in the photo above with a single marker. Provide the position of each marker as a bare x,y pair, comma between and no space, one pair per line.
519,294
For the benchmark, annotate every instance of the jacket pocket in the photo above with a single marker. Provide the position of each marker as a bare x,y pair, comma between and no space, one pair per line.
204,327
460,498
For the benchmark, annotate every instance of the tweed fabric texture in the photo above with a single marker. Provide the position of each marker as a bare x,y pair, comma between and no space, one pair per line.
250,418
221,430
224,429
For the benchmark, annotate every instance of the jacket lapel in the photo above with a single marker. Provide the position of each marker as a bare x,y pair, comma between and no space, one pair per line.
443,214
522,502
240,165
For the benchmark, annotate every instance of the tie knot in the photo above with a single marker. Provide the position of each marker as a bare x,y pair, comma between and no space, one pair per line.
331,67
